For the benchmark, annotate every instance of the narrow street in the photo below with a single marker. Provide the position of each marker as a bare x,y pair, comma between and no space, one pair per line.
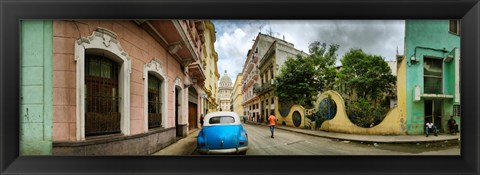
292,143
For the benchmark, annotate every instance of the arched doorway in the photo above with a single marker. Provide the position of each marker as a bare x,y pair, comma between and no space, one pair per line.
192,108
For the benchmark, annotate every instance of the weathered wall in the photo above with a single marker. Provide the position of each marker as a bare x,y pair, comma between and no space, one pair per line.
289,118
140,144
36,87
141,48
391,125
432,34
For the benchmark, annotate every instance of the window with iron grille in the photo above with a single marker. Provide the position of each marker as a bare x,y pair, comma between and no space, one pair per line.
433,72
154,102
456,110
102,114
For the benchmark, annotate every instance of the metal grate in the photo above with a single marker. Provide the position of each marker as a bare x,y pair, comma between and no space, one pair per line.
456,110
154,102
102,114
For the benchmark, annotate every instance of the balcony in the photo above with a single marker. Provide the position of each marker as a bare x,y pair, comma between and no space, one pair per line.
250,66
255,57
257,88
196,72
266,87
172,36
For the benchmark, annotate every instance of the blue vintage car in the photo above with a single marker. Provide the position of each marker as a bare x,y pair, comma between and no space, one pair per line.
222,133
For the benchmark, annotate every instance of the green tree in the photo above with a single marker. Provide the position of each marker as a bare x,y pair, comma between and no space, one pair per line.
300,79
369,75
371,79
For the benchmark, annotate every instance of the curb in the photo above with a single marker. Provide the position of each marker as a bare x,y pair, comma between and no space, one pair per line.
360,140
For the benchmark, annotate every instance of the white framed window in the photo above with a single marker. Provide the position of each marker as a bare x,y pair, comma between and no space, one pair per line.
102,42
155,101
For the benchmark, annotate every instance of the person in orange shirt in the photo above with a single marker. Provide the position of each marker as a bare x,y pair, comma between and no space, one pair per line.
271,123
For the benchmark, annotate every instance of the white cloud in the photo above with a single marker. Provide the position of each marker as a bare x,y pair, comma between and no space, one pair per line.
379,37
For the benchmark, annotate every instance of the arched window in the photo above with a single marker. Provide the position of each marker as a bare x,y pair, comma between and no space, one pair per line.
155,95
102,85
154,102
102,115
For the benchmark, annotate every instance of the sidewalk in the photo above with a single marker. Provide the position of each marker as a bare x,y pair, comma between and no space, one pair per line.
371,138
184,146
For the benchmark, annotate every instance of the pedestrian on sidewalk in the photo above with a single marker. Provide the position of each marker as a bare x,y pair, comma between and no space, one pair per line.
201,120
430,127
271,123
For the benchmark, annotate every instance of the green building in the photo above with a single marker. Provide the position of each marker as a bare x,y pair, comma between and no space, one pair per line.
36,101
432,52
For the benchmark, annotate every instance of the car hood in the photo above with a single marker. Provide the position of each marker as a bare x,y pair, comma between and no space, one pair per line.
219,137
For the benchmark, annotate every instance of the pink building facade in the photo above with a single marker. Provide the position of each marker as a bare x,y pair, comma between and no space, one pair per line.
125,87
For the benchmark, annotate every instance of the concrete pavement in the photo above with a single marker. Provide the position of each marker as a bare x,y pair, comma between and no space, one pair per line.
187,145
184,146
372,138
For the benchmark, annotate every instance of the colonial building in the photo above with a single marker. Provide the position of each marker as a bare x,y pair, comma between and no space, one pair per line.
236,98
278,52
210,59
432,59
251,75
108,84
225,92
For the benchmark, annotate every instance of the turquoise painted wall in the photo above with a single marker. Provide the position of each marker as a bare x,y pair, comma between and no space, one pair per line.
431,34
36,87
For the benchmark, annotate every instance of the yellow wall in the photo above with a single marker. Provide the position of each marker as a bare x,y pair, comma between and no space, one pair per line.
288,119
210,59
391,125
237,95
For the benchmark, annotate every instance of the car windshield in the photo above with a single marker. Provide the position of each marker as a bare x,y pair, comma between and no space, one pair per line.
221,119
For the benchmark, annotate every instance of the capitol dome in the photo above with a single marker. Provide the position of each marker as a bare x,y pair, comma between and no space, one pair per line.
225,81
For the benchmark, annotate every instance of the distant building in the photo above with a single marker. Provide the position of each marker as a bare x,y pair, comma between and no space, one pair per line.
432,68
251,75
236,97
225,92
269,67
210,60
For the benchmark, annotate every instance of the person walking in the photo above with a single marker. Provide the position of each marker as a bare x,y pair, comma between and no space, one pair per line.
201,120
271,123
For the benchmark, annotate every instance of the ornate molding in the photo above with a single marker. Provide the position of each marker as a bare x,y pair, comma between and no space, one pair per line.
102,38
155,66
107,32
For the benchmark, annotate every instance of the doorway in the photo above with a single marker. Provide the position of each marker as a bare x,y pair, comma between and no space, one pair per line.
179,129
192,108
433,111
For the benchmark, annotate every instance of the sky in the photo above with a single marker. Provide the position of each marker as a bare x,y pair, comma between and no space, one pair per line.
376,37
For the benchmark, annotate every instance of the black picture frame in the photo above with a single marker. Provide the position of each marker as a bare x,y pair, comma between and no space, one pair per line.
11,12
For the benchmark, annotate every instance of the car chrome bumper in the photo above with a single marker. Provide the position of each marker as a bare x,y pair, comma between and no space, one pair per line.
223,151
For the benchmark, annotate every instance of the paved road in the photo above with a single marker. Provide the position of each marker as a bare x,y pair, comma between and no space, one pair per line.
292,143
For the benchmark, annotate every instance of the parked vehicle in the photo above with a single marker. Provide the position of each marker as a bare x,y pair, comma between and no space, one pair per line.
222,133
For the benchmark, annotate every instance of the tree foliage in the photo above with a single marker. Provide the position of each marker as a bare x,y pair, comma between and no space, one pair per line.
301,78
369,75
371,79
